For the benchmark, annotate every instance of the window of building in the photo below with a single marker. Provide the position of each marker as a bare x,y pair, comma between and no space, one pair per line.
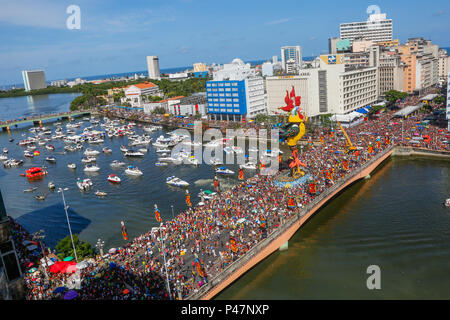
9,261
227,84
220,89
234,84
213,84
220,84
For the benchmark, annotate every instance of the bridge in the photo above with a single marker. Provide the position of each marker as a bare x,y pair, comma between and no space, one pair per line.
37,120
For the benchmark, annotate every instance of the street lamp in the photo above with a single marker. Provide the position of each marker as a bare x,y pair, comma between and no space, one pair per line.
39,236
172,212
100,245
165,265
68,222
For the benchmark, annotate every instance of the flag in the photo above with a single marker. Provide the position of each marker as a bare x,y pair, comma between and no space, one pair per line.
157,214
124,231
292,95
241,174
199,267
188,199
233,245
196,108
312,188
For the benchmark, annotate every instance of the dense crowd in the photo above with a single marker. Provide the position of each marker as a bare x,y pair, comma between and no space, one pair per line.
202,241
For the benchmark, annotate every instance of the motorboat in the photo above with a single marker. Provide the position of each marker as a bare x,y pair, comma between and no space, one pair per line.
91,152
176,182
51,185
248,166
100,194
84,184
131,153
117,164
49,147
39,197
88,160
164,150
143,150
106,150
35,173
113,178
91,168
170,159
70,148
5,150
28,154
206,194
134,171
253,150
447,202
30,189
224,171
12,163
150,129
71,166
161,164
3,157
50,159
123,149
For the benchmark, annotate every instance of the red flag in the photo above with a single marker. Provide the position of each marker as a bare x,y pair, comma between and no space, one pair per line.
292,92
157,214
196,108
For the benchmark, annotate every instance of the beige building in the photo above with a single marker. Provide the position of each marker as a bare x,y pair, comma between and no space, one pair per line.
390,72
443,65
200,67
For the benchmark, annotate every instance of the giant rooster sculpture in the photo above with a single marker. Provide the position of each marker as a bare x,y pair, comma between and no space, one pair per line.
292,131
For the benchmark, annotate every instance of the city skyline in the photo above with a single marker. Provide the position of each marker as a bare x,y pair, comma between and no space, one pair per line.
183,32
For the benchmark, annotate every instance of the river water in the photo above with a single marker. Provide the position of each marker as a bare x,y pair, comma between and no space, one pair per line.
394,220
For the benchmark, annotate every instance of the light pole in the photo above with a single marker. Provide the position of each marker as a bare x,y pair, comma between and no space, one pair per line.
172,212
100,245
68,222
39,236
165,265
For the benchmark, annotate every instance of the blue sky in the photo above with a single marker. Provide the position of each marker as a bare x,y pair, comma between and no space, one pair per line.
115,36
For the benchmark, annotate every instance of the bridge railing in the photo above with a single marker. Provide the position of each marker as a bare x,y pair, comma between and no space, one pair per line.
241,261
43,116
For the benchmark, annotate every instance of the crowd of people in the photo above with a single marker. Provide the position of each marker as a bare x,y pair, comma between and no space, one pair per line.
176,259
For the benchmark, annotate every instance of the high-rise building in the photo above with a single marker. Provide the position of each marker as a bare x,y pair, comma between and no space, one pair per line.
200,67
377,28
444,65
153,67
34,79
235,93
291,59
332,42
275,59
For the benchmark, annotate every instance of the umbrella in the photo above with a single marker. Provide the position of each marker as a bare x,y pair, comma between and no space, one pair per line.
126,291
71,294
112,265
82,265
112,250
69,258
32,270
30,264
59,290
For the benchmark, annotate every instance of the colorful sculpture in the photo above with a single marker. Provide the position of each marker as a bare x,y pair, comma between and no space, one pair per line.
292,131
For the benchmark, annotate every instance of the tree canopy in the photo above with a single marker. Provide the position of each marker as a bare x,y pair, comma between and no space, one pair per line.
394,95
65,248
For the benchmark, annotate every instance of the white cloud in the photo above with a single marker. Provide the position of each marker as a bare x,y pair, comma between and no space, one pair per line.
284,20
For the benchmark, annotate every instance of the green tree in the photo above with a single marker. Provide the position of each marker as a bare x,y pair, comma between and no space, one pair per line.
394,95
65,248
261,118
439,100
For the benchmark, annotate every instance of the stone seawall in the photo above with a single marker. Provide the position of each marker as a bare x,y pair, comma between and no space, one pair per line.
279,237
420,152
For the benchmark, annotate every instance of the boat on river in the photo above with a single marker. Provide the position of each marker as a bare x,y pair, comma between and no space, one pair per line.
224,171
84,184
176,182
134,171
113,178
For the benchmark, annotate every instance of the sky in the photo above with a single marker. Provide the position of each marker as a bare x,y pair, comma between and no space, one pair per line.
116,36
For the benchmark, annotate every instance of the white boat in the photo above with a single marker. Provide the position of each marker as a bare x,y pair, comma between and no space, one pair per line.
447,202
50,147
71,166
85,184
51,185
12,163
165,150
176,182
3,157
252,149
206,195
106,150
91,152
123,149
224,171
88,160
132,170
117,164
50,159
248,166
131,153
191,160
143,150
91,168
5,150
113,178
170,159
100,193
28,154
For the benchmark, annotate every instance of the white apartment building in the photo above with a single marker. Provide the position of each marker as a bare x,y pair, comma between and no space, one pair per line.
443,65
153,67
267,69
255,97
331,88
390,72
377,28
137,94
236,70
34,79
291,59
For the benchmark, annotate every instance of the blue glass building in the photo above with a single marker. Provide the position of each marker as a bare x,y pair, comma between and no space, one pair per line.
226,100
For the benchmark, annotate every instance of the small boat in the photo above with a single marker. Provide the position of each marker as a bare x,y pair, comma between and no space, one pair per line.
206,195
143,150
50,147
3,157
12,163
35,173
252,149
131,153
28,154
11,139
71,166
447,202
88,160
176,182
51,185
192,160
91,168
30,189
224,171
248,166
5,150
106,150
91,152
165,150
123,149
50,159
100,194
38,197
134,171
117,164
85,184
113,178
161,164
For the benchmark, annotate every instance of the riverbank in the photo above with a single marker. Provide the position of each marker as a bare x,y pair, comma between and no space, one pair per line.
282,235
421,152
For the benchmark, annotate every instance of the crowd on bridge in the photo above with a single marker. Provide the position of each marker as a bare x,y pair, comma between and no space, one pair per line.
178,258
